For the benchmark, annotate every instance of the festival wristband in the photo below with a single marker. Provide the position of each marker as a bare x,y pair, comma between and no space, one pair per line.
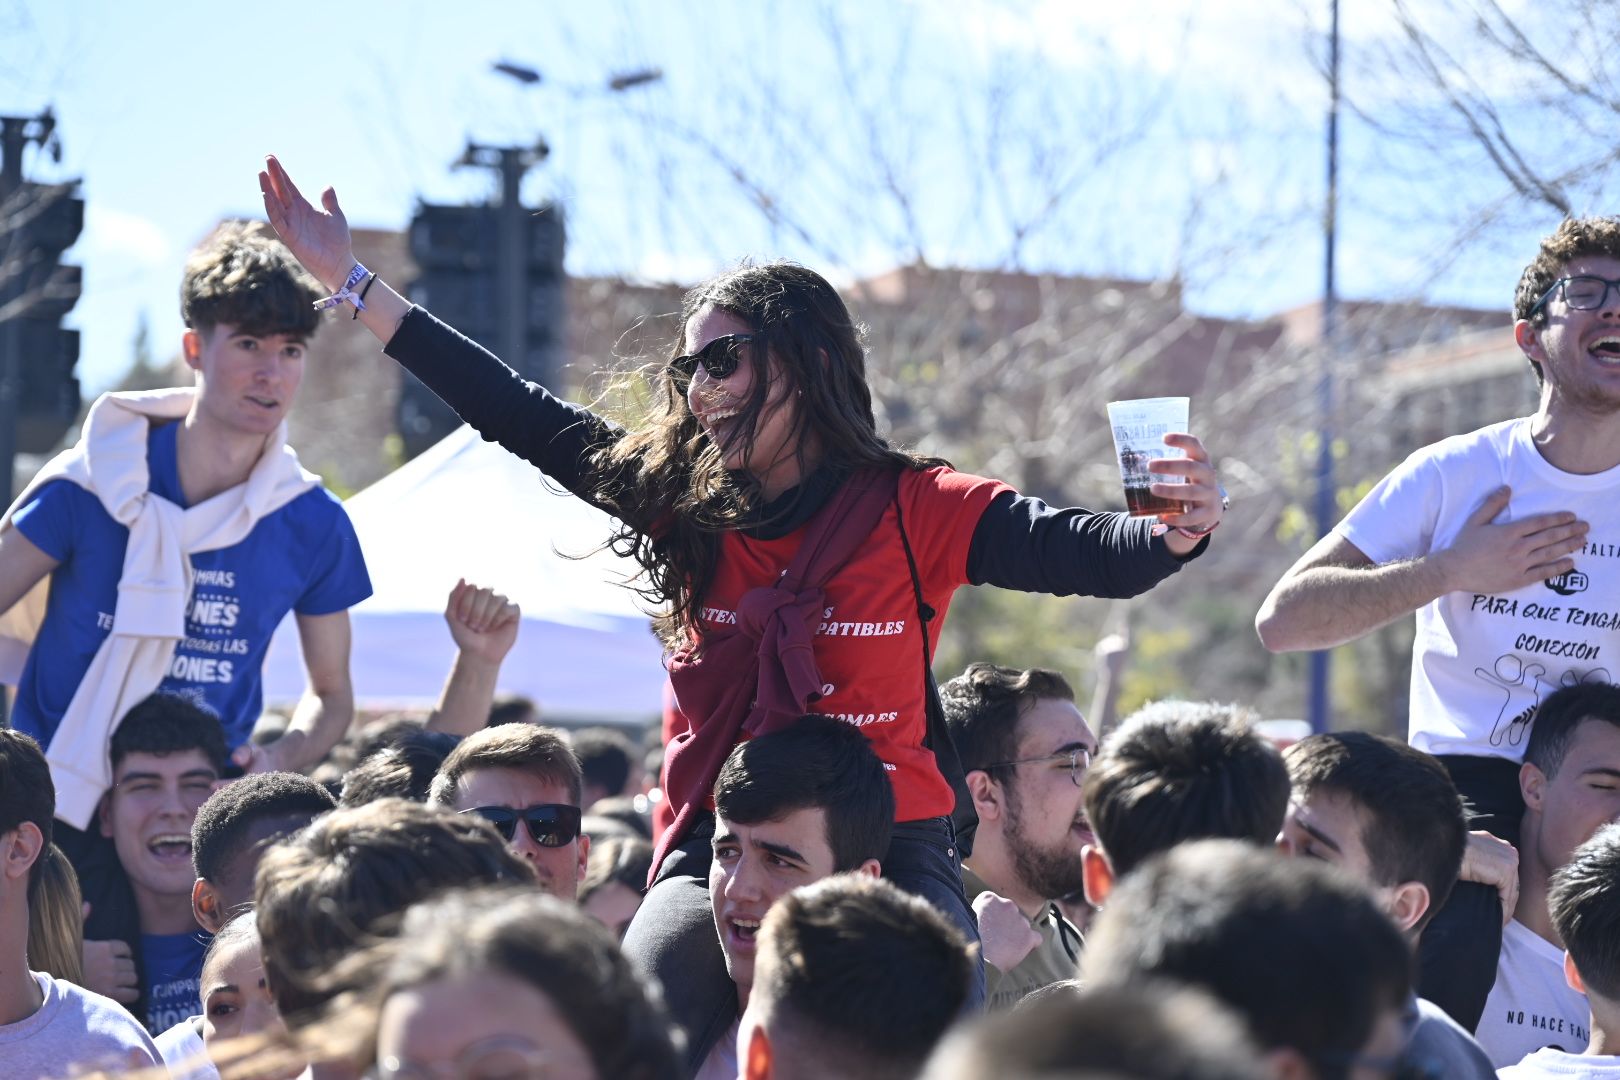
346,295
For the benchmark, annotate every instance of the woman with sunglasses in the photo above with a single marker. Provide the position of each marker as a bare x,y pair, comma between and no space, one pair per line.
761,432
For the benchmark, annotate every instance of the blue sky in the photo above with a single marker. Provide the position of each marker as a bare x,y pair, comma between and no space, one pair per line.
1178,136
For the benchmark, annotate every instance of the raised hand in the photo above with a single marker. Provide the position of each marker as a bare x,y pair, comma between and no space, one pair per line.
317,238
1491,558
483,623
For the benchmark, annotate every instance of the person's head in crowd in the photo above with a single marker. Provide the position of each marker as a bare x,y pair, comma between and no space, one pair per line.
27,809
269,727
608,763
1585,903
615,876
404,770
617,815
233,829
243,285
1151,1031
525,780
1356,799
513,709
652,766
1300,950
792,807
239,1018
340,882
360,742
1570,780
55,917
507,982
1174,771
167,755
1565,253
1025,748
855,980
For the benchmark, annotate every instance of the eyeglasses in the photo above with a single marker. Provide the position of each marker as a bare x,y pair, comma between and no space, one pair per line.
1077,759
550,824
719,358
1583,292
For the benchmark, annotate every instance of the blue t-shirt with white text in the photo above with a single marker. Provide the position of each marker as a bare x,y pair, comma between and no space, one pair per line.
171,970
304,557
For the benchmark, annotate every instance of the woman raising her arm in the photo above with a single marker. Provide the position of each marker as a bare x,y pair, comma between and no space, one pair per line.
806,563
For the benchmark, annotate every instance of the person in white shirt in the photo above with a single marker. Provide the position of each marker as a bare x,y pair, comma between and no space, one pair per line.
48,1027
1506,543
1571,785
1585,903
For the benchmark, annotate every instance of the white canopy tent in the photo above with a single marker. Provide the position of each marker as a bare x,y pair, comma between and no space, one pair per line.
467,508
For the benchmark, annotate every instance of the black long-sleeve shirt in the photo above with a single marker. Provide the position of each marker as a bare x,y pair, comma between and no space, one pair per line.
1018,543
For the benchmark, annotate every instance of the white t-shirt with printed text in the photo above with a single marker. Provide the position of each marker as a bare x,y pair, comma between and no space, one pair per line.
1563,1066
1482,662
1531,1005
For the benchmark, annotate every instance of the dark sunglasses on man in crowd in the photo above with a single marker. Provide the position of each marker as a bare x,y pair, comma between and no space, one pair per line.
719,358
550,824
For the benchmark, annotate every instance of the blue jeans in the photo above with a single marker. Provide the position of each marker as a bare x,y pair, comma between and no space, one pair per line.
672,939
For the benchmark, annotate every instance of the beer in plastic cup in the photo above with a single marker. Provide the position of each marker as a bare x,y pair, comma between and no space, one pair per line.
1140,426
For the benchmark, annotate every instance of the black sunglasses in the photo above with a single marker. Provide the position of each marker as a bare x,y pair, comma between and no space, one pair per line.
719,357
550,824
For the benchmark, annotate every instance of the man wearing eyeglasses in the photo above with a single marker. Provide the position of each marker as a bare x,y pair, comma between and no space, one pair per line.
525,780
1025,748
1506,543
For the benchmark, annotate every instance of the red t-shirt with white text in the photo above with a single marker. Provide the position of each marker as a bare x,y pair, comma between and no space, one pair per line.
867,649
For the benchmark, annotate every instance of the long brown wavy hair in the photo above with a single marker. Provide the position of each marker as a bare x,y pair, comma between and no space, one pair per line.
667,481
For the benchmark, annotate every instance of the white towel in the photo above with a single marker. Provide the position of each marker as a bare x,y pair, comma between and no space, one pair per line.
109,461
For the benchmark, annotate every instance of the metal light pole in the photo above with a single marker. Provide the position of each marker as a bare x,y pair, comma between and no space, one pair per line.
511,163
1321,706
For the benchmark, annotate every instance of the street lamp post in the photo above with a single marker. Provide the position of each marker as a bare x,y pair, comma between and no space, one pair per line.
1321,705
511,163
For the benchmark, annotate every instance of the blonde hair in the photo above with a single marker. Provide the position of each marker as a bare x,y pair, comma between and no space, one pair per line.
56,918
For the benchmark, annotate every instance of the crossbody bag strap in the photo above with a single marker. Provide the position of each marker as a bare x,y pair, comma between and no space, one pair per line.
938,738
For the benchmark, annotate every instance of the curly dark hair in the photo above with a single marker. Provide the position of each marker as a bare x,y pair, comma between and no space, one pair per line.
668,483
1573,239
247,280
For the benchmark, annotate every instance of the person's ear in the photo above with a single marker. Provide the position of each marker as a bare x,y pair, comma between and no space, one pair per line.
1286,1063
757,1058
1532,785
1096,875
986,795
871,868
1408,903
191,344
1572,974
20,849
584,856
1527,337
104,815
206,906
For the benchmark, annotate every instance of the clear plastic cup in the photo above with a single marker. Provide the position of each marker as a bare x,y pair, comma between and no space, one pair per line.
1140,426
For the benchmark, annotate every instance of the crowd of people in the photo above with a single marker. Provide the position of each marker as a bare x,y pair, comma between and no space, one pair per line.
822,863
